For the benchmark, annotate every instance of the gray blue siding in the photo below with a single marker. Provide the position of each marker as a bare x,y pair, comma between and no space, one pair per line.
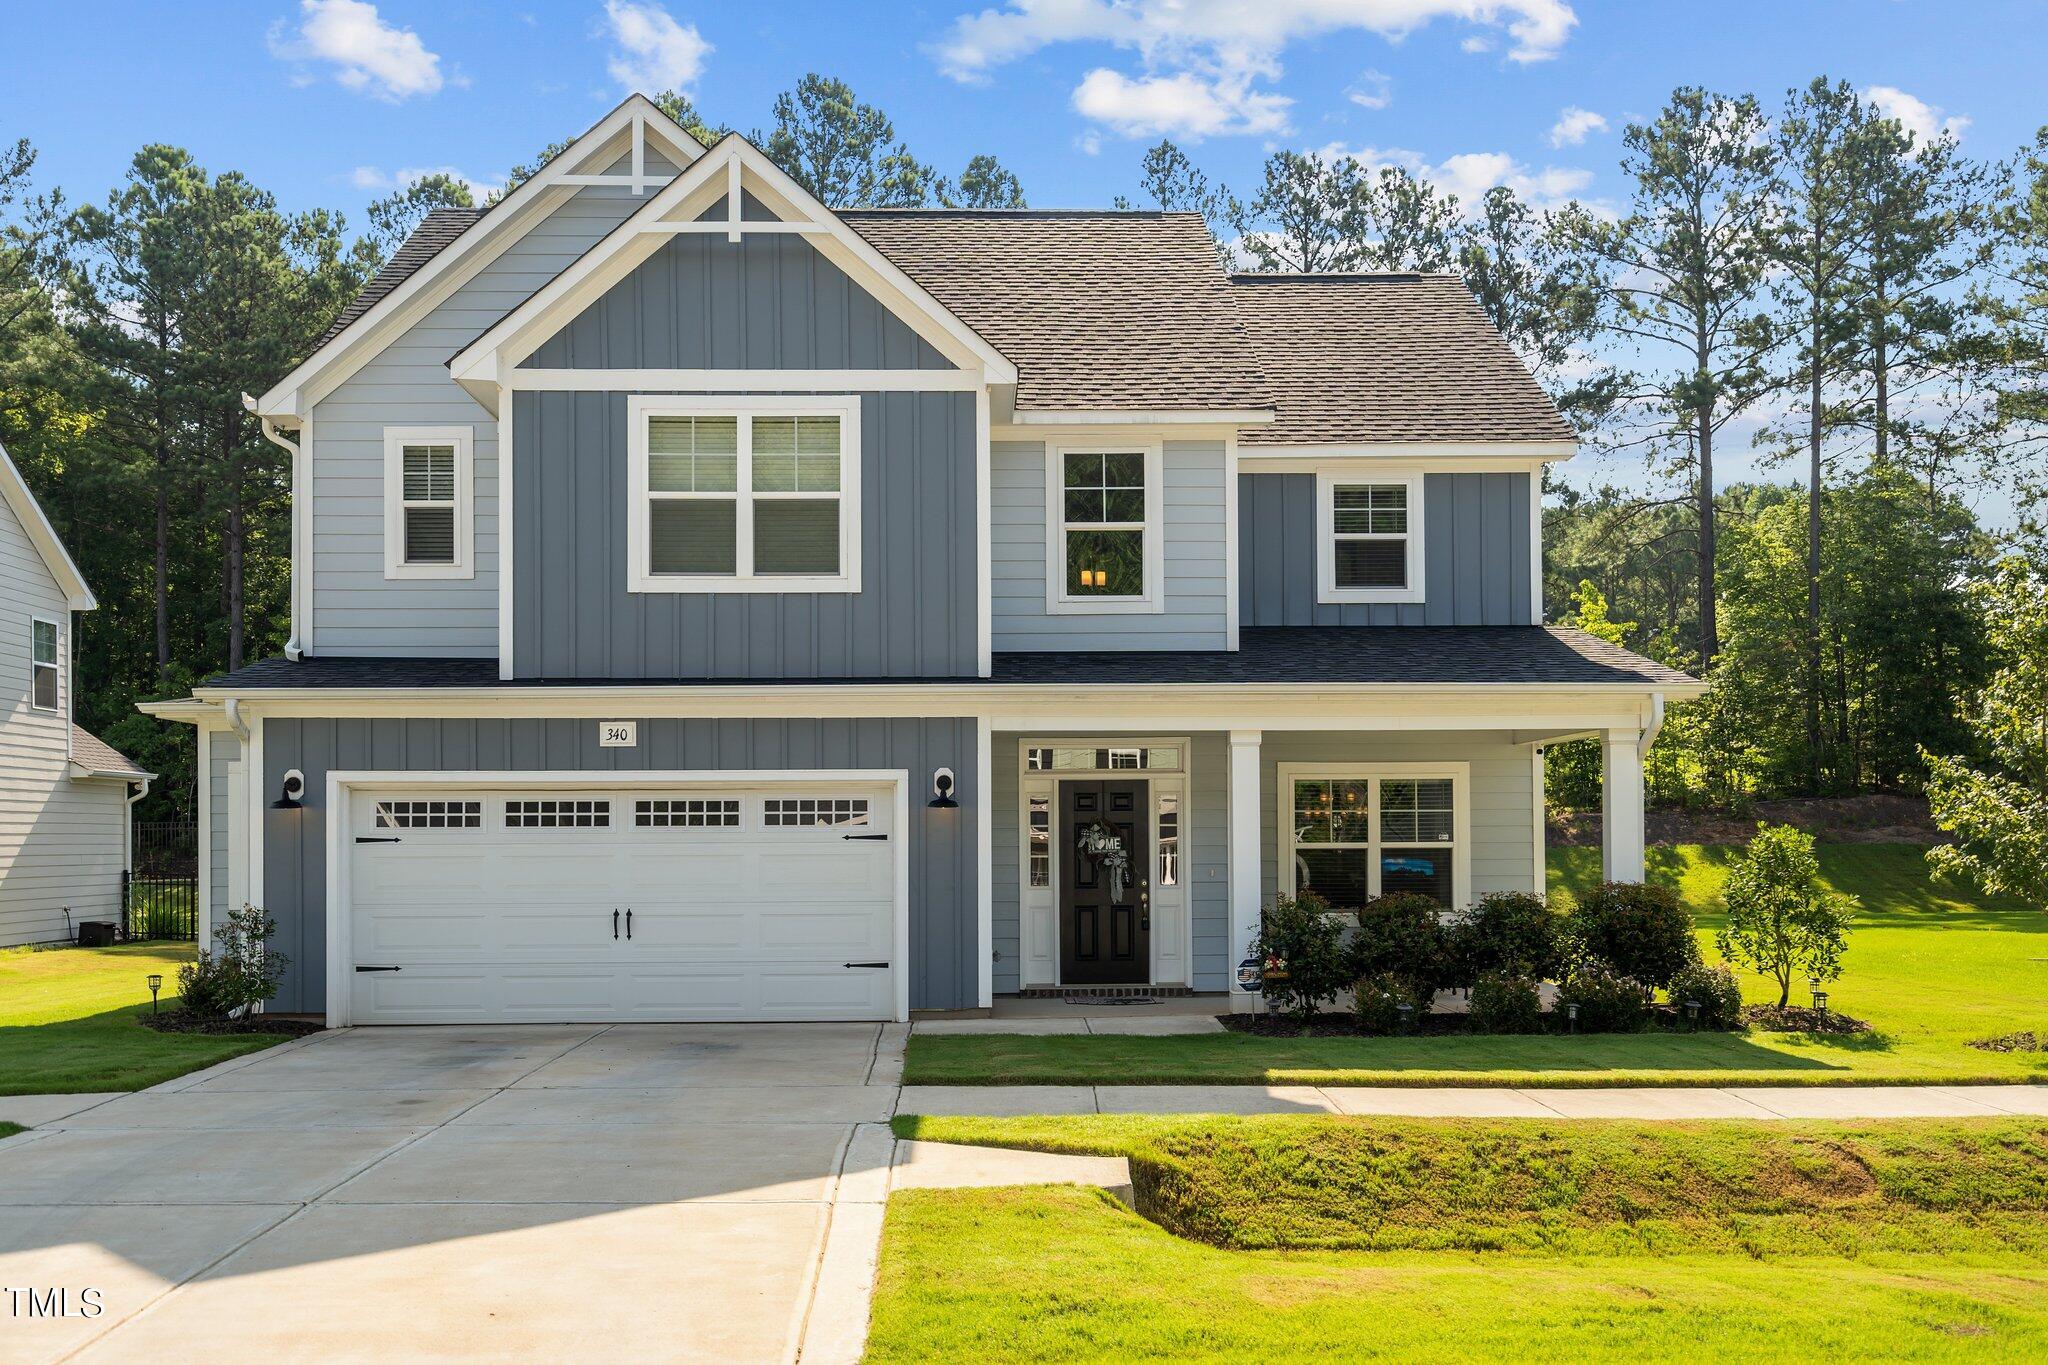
914,615
943,954
1476,545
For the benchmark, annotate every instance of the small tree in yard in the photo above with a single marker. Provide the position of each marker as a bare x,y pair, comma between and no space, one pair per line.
1780,920
239,972
1302,944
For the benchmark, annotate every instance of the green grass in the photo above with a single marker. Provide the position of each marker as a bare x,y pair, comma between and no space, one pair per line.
1930,967
8,1130
1494,1240
68,1021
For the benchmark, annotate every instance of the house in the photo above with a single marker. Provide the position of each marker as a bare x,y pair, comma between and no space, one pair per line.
707,605
65,838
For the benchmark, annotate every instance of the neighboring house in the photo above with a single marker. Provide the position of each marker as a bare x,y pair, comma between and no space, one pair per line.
64,796
710,606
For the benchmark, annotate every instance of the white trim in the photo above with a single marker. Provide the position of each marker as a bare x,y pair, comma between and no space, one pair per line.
984,854
1140,417
1536,546
1540,860
745,381
426,288
43,536
1458,452
57,703
237,817
202,909
1246,877
1327,481
1233,589
1153,600
340,841
396,439
507,599
1254,463
1621,805
1285,775
984,539
642,407
302,542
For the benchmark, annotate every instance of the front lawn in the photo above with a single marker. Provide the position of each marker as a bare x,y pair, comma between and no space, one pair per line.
67,1021
1930,967
1413,1238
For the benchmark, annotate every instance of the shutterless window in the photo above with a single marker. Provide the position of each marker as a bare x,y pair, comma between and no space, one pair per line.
1352,840
1370,524
43,665
1041,841
1103,523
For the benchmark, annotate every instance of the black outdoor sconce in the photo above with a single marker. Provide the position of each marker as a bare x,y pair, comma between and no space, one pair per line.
294,788
942,791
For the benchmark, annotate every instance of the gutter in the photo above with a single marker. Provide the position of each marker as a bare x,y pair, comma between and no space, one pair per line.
292,648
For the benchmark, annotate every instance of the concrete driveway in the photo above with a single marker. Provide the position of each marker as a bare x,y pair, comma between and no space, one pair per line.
636,1192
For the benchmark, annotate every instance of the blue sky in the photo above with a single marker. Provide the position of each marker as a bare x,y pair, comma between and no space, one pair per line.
327,101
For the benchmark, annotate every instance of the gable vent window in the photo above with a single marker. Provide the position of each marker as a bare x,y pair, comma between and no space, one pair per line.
806,811
1370,539
428,527
745,499
552,814
43,665
430,814
691,813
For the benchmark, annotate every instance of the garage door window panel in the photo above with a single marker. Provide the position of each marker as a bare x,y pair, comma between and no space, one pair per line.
811,812
687,813
430,814
553,813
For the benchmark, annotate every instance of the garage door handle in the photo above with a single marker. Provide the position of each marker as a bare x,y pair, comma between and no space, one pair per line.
867,964
615,924
863,836
629,926
378,969
376,839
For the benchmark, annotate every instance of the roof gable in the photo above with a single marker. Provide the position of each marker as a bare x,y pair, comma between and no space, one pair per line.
15,491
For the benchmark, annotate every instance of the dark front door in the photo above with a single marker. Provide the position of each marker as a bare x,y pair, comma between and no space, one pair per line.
1105,927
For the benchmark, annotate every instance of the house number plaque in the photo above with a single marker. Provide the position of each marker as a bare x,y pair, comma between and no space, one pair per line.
618,734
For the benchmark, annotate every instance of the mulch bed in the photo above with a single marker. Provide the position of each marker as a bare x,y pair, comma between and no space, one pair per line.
1799,1019
180,1021
2028,1041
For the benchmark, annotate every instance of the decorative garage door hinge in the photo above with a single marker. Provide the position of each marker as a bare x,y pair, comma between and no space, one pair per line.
864,836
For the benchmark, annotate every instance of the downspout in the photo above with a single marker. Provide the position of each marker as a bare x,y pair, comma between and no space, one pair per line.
292,648
1651,730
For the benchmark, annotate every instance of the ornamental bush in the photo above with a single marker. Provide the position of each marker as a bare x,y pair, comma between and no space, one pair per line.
1640,930
1716,991
1377,1001
1608,1001
1511,932
1301,936
1505,1002
1402,936
240,971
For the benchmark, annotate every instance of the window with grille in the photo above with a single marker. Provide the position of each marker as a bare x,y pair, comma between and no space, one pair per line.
1354,838
745,499
1169,839
427,485
430,814
45,665
1371,539
1103,549
1041,841
794,812
552,813
687,813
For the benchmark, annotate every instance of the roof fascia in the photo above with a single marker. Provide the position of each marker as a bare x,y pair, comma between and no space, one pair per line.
1146,417
29,512
460,261
1526,452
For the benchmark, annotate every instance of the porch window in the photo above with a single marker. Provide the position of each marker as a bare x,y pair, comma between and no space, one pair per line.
429,480
1104,551
1352,838
1169,840
1041,759
1369,538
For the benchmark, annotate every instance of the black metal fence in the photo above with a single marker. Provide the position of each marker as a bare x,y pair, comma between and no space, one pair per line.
160,898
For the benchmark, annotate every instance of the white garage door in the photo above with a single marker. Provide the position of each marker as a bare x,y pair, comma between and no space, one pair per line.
638,905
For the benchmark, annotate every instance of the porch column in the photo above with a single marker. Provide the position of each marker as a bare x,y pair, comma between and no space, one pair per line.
1245,869
1621,806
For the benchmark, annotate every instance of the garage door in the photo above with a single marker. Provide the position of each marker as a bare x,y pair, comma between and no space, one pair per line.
640,905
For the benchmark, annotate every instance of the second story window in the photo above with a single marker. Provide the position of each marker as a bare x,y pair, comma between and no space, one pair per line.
44,665
429,529
732,497
1104,552
1369,538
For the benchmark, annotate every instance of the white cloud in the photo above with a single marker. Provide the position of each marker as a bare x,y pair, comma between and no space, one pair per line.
1199,56
654,51
1089,143
1477,43
1573,124
1372,90
1923,120
368,55
1469,175
375,178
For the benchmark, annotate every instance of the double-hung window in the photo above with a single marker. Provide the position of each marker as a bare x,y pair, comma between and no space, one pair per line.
729,496
1351,834
45,663
1369,538
429,482
1105,552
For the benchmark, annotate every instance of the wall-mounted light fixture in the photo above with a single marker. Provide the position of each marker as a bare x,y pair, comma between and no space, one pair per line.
294,788
942,791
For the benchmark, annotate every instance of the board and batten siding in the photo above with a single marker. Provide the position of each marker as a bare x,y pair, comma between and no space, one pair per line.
62,839
356,610
1195,520
944,964
1475,545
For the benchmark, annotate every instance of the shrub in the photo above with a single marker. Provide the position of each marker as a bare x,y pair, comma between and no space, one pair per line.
1608,1001
1401,936
1505,1002
1301,935
1508,931
1781,920
1715,989
240,971
1377,999
1641,931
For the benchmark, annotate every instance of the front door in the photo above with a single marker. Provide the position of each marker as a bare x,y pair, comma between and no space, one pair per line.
1105,884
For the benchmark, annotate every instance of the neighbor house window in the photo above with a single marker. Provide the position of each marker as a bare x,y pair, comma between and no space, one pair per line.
429,481
44,665
1356,835
728,497
1104,553
1369,539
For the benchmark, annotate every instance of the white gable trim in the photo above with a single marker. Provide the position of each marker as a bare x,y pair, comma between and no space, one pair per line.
730,165
627,128
43,536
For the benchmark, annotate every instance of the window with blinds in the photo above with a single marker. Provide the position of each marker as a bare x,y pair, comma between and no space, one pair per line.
428,475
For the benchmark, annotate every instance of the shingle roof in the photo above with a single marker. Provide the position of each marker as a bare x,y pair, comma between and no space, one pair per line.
1095,309
1419,655
1392,357
95,755
436,230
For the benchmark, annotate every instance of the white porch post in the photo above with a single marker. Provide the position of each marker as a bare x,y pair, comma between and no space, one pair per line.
1621,806
1245,868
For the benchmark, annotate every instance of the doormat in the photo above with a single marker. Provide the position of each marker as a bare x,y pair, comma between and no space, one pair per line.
1099,1000
1104,995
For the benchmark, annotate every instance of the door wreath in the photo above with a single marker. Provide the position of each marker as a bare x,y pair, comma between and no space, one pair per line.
1105,848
